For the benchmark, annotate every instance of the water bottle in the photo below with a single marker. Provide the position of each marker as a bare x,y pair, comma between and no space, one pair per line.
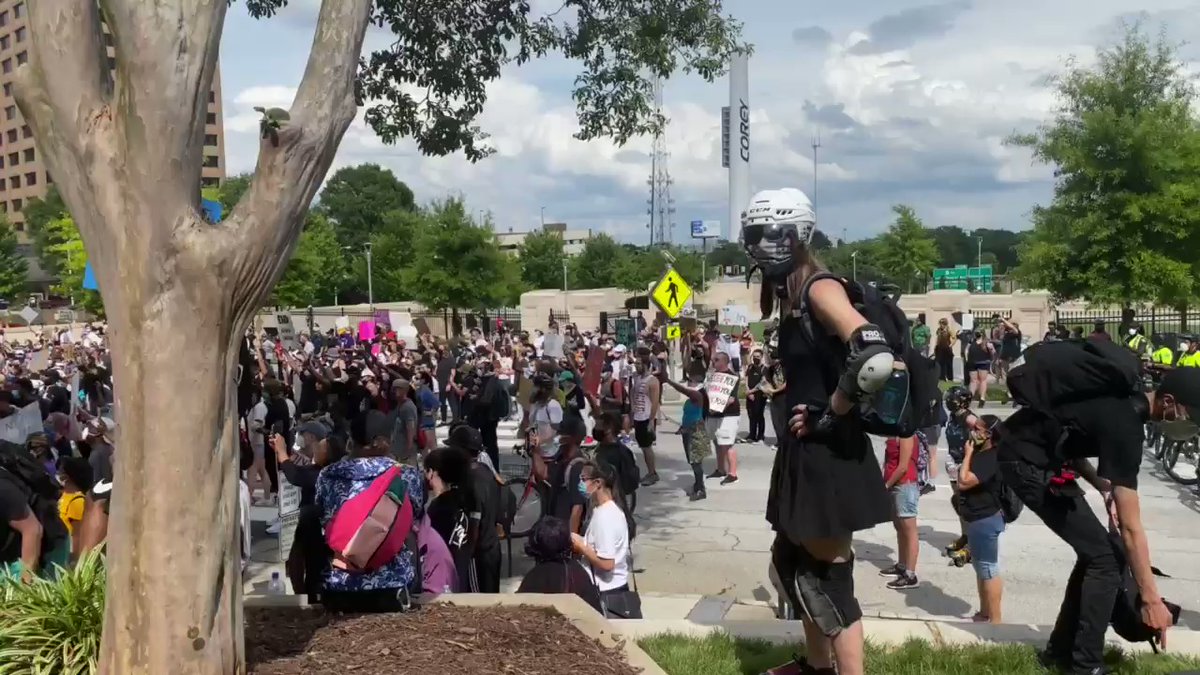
890,403
446,590
276,586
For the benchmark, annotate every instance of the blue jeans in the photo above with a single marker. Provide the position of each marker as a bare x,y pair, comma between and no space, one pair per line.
904,500
983,536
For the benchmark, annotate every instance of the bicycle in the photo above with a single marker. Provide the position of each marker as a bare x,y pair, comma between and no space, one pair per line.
1189,450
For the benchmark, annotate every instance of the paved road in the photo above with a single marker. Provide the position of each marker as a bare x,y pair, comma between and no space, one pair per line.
720,546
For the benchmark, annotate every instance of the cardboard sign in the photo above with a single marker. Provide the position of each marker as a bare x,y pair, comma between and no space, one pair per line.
287,332
720,388
592,372
366,330
422,326
17,428
552,345
383,320
342,323
626,332
734,315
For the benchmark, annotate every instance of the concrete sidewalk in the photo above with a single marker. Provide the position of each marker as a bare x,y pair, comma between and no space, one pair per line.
700,615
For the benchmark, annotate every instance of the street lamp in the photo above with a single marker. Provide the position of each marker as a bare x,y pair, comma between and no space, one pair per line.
543,217
566,312
854,265
370,279
336,288
979,262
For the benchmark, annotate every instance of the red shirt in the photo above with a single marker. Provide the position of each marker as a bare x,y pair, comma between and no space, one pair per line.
891,459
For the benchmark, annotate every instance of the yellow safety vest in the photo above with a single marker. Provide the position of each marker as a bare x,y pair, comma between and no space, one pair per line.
1190,360
1137,343
1163,355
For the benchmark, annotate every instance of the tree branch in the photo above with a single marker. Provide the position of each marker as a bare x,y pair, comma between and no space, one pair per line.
166,106
262,230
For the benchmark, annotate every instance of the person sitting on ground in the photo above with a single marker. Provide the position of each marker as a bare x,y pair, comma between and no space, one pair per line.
555,571
388,588
979,488
75,474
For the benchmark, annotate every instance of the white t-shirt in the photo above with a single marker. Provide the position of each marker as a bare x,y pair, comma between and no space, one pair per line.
608,533
543,416
258,415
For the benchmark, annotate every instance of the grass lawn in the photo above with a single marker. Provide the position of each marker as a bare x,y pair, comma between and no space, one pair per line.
720,654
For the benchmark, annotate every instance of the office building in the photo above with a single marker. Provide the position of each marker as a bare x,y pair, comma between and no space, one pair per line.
22,174
573,240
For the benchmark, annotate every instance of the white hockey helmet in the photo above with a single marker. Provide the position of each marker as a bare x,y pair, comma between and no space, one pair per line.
774,222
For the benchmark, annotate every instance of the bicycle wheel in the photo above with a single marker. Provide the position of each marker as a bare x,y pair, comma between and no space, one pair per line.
1182,472
530,508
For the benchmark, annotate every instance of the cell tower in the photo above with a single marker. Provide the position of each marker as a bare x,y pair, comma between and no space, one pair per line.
662,207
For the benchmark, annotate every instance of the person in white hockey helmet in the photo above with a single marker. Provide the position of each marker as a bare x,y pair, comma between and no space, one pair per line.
826,483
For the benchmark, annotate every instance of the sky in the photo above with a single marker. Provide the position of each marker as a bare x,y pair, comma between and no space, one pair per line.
912,102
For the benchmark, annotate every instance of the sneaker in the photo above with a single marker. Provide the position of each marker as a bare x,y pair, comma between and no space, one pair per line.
927,488
275,527
649,479
904,582
893,571
716,474
697,495
728,480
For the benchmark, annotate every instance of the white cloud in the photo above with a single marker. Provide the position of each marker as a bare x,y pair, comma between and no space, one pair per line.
917,116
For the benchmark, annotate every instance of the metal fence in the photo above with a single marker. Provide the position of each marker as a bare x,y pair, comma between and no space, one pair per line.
1153,320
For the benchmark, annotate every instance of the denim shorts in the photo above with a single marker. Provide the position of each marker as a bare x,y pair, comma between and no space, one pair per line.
983,536
904,500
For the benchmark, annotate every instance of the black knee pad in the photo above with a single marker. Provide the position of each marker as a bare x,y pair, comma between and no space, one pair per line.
825,593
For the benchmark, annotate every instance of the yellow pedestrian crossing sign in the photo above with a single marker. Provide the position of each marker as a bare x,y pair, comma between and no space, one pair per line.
671,293
673,332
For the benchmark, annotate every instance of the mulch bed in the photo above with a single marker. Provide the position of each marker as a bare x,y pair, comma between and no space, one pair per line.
439,638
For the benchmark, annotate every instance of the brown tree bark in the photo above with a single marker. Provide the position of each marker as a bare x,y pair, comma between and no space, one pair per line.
125,151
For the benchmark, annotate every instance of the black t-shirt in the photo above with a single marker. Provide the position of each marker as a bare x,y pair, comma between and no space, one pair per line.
564,485
1107,428
981,501
1010,344
755,374
15,505
976,353
448,515
486,502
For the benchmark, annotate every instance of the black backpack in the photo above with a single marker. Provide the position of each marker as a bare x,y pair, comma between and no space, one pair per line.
1126,619
1054,374
41,490
916,407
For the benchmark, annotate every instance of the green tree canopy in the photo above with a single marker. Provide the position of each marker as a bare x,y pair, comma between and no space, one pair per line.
599,265
39,212
317,267
1124,224
67,247
541,258
907,251
13,267
358,199
230,191
457,264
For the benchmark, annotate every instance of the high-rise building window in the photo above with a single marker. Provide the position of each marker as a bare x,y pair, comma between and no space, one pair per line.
210,118
4,42
20,34
19,10
112,63
30,155
17,203
14,159
3,207
26,132
14,182
8,88
3,18
12,135
108,40
6,66
31,178
210,139
22,58
209,181
212,97
212,161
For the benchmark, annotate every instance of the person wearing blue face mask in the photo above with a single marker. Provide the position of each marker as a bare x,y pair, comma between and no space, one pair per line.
568,500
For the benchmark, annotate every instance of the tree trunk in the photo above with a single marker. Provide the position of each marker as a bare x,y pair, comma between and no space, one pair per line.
125,150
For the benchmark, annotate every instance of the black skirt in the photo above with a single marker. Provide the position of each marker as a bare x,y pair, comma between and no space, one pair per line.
819,492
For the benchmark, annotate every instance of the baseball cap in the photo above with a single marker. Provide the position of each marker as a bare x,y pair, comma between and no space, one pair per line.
318,430
619,349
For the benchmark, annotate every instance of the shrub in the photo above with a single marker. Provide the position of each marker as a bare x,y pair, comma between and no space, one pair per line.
53,626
